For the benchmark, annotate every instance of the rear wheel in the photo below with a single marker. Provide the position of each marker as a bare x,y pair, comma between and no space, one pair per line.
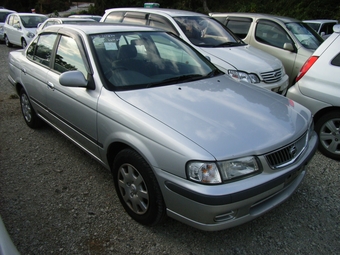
137,188
30,117
7,42
328,130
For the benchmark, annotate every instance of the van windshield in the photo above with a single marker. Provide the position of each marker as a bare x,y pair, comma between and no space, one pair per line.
207,32
305,34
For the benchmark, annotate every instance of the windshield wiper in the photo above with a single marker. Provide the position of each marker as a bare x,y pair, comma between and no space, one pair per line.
228,44
177,79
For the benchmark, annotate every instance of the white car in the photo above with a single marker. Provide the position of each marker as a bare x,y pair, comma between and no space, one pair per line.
225,50
324,27
3,15
20,28
318,88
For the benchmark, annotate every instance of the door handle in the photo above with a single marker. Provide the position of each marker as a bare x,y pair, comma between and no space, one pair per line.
24,70
50,85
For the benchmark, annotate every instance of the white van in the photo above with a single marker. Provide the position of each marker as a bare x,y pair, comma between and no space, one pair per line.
213,40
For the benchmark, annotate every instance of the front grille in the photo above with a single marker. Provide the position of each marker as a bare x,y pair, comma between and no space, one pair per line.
273,76
288,154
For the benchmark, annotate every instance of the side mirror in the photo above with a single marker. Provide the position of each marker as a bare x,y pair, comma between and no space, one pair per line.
73,79
322,34
289,47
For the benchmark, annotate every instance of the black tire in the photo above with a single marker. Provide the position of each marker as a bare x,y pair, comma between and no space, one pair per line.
7,42
328,130
30,117
137,188
23,43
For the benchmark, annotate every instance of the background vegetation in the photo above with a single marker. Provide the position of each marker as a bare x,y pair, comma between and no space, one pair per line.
303,9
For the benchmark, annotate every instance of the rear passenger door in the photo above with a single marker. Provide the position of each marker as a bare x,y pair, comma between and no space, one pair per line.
35,71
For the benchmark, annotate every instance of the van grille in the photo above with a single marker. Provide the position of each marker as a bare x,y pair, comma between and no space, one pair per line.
272,76
288,154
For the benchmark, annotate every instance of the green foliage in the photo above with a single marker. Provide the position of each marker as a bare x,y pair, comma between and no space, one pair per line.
303,9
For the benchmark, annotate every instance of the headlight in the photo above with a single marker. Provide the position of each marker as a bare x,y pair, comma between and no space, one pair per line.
242,76
30,35
214,173
238,167
203,172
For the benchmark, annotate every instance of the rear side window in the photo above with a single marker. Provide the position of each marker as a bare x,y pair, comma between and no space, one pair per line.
114,17
270,33
68,56
239,26
327,28
336,60
134,18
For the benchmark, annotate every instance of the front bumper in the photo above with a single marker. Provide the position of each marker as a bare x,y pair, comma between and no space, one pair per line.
279,87
217,207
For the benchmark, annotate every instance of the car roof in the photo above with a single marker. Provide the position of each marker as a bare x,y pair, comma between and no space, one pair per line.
97,27
169,12
321,21
6,10
28,14
259,15
70,19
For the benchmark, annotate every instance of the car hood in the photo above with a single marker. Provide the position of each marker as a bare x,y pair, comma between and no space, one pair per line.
244,58
226,118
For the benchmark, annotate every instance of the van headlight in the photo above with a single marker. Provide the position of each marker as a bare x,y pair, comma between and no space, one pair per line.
243,76
218,172
30,35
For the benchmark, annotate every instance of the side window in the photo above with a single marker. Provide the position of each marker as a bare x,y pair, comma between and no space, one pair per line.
41,49
336,60
239,27
31,49
16,22
10,20
161,22
114,17
270,33
137,18
68,56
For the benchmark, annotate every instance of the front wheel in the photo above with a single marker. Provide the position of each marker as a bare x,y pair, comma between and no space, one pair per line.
7,42
137,188
30,117
23,43
328,130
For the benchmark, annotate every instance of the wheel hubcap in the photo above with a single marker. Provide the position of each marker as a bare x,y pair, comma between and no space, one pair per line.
330,136
133,189
26,108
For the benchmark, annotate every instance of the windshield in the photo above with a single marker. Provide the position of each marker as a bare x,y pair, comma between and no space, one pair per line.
305,34
32,21
133,60
207,32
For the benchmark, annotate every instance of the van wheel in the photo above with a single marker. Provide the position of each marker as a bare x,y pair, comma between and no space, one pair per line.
7,42
137,188
328,130
23,43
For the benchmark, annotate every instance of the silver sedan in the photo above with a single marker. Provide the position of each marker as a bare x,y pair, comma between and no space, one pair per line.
181,138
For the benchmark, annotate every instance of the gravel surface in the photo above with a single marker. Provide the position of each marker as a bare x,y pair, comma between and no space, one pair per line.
54,199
